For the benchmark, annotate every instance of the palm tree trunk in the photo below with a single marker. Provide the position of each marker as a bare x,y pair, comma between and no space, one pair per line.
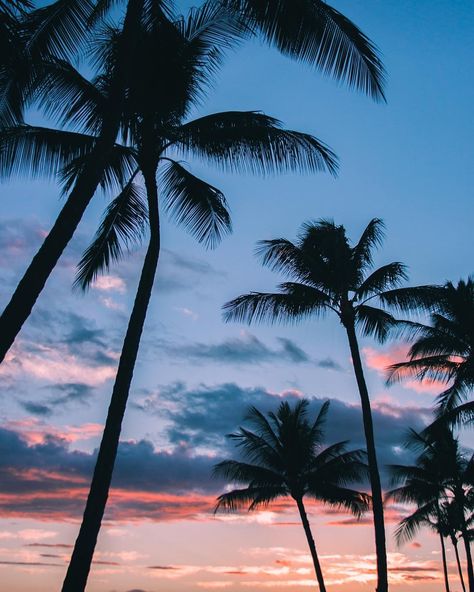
79,567
376,488
311,544
458,561
467,547
445,563
33,281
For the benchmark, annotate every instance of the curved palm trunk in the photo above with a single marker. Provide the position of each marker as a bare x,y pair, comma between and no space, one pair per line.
377,503
33,281
79,567
445,563
458,562
311,544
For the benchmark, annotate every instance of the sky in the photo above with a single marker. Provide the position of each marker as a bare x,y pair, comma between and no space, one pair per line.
407,162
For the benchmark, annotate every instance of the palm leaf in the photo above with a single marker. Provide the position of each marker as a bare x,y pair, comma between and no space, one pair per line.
295,303
193,203
251,142
314,32
37,151
374,322
122,226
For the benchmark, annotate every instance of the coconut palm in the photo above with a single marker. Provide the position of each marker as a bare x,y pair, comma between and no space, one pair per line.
439,484
157,128
329,275
283,455
310,30
444,350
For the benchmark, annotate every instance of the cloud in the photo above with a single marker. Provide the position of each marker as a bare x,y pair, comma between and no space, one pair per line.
109,283
245,350
381,360
200,417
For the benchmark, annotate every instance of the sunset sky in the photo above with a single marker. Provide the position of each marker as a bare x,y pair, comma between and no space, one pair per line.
408,162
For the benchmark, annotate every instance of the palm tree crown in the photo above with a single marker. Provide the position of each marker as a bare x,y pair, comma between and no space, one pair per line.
284,456
444,350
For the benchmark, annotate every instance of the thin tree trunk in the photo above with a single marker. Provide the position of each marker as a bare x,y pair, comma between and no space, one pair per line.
79,567
445,564
458,561
467,547
33,281
311,544
376,488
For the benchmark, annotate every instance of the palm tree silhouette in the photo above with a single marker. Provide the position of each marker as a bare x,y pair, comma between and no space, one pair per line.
284,456
330,275
440,485
444,350
156,129
309,30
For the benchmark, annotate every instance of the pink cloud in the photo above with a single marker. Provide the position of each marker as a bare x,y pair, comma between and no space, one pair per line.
380,360
34,431
54,365
109,283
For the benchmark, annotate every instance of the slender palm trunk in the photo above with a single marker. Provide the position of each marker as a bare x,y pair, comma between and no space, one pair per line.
445,563
458,561
467,547
311,544
377,503
33,281
79,567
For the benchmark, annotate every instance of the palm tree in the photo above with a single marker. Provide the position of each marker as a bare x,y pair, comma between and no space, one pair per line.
440,484
284,456
328,274
310,30
156,129
444,350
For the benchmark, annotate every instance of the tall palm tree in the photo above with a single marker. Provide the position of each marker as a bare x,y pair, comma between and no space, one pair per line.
329,275
309,30
444,350
284,456
441,478
156,127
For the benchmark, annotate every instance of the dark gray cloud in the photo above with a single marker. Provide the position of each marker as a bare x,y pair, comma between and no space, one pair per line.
60,398
202,416
49,479
247,349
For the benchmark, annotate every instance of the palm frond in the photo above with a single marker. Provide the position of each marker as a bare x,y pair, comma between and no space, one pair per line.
37,151
384,278
121,164
295,303
251,142
59,28
409,526
253,497
371,238
414,299
281,255
314,32
195,204
374,322
240,472
122,226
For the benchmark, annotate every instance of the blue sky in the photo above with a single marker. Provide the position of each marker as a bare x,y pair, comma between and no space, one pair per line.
407,162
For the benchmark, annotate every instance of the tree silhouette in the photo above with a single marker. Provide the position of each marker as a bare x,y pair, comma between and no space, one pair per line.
308,30
284,456
444,350
439,484
329,275
157,128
